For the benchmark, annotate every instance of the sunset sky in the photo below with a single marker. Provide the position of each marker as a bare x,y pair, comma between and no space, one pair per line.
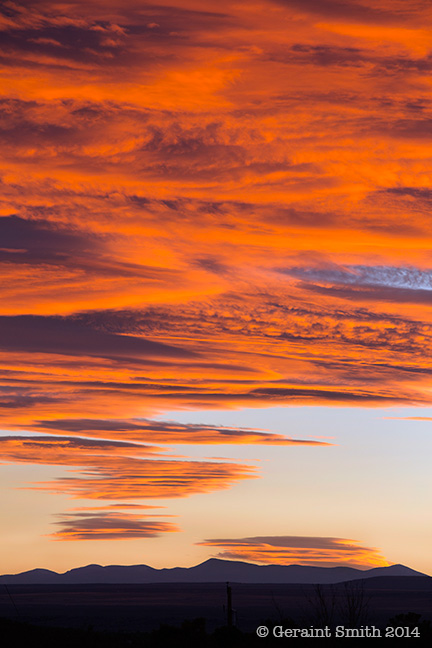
216,282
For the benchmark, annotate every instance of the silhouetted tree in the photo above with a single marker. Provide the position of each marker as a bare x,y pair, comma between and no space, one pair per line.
354,604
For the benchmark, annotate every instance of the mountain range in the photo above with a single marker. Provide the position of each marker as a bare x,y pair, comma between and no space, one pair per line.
210,571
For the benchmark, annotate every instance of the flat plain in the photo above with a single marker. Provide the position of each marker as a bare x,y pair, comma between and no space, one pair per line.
147,607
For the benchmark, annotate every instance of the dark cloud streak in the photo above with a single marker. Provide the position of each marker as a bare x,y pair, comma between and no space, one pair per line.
38,334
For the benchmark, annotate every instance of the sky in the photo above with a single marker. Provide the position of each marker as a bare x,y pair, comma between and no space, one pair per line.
215,282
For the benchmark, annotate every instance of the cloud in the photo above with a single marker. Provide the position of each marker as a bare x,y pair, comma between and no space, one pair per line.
301,550
21,400
40,241
138,479
114,470
182,228
367,283
323,55
422,193
353,11
409,418
153,431
66,450
88,368
392,277
384,294
117,505
109,526
64,336
89,37
100,365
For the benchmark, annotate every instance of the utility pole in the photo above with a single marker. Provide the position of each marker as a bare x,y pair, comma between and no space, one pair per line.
229,607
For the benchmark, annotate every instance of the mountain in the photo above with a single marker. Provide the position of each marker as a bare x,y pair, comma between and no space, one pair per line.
210,571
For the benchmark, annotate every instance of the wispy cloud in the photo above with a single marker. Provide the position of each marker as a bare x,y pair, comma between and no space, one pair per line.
409,418
109,526
183,228
302,550
115,470
147,430
392,277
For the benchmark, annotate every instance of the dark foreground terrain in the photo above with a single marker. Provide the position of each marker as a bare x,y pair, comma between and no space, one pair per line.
191,634
168,615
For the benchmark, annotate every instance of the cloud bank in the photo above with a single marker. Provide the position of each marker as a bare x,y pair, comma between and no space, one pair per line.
208,207
300,550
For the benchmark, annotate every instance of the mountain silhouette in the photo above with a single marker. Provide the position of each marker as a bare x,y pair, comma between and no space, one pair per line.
210,571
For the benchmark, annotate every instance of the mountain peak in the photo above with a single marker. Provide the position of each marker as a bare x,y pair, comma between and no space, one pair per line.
213,570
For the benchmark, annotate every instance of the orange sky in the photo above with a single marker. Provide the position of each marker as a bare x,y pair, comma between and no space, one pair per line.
207,207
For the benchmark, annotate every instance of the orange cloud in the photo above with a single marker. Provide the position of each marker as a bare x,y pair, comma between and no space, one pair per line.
142,430
301,550
114,470
409,418
67,450
109,526
207,206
